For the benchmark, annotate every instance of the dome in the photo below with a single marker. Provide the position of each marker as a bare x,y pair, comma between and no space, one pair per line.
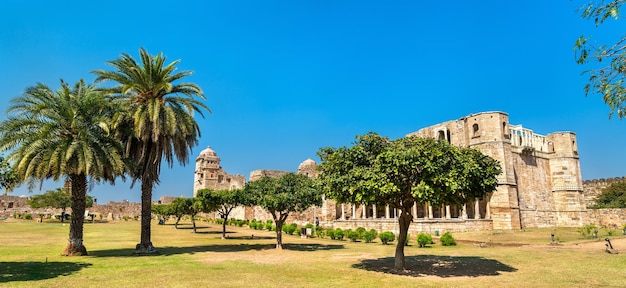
207,153
307,163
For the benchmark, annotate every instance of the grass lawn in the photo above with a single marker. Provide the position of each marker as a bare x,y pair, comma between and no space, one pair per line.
30,257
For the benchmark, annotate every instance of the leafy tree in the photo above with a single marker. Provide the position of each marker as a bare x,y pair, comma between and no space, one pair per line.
163,211
158,123
281,196
58,199
223,201
8,178
613,196
187,206
608,79
63,134
400,172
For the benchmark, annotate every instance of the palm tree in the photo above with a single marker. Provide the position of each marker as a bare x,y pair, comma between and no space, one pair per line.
63,134
158,123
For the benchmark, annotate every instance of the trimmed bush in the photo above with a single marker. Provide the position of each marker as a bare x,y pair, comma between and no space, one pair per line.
289,229
369,236
387,237
339,234
268,225
330,233
319,232
424,239
353,236
361,231
447,239
28,216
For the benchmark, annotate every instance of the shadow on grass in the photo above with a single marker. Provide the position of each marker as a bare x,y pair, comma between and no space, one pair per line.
441,266
32,271
168,251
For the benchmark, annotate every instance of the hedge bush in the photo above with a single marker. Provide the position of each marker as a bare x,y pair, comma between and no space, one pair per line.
447,239
369,236
424,239
387,237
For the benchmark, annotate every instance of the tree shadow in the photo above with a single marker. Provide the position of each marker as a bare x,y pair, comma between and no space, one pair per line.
33,271
169,250
441,266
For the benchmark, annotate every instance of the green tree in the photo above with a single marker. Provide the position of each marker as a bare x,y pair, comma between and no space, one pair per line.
281,196
163,211
158,124
608,78
613,196
63,134
58,199
8,178
400,172
223,201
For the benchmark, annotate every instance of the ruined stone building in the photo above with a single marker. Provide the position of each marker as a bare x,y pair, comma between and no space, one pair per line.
541,184
210,175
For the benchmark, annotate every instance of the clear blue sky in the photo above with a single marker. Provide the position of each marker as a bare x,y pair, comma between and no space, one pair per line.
284,78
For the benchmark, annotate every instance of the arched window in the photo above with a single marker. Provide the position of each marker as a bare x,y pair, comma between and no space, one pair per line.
475,130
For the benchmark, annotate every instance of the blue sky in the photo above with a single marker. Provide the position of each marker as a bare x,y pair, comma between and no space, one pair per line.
284,78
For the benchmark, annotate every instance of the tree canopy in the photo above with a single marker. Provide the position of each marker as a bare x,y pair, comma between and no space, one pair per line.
8,178
280,196
58,199
63,134
158,124
398,173
223,201
613,196
608,78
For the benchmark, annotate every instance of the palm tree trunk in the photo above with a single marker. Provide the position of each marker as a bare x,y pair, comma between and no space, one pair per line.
145,246
75,245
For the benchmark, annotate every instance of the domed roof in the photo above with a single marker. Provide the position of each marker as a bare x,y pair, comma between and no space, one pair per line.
307,163
207,153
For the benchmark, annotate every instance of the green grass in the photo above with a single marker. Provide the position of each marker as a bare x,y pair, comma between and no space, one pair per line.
30,257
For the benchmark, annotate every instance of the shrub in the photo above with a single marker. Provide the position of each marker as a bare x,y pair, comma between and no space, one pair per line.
28,216
308,225
219,221
610,232
353,236
319,232
424,239
368,236
361,231
447,239
268,225
587,230
387,237
407,240
126,217
330,233
339,234
289,229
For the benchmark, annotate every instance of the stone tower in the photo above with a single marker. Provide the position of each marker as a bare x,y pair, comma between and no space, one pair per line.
210,175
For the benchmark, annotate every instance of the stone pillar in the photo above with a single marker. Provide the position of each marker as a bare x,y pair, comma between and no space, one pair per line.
343,212
488,210
353,212
430,212
364,211
387,212
448,212
464,213
476,209
374,212
414,210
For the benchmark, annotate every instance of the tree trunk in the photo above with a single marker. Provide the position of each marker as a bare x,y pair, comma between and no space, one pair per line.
193,222
404,220
279,231
224,226
75,245
177,220
145,246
